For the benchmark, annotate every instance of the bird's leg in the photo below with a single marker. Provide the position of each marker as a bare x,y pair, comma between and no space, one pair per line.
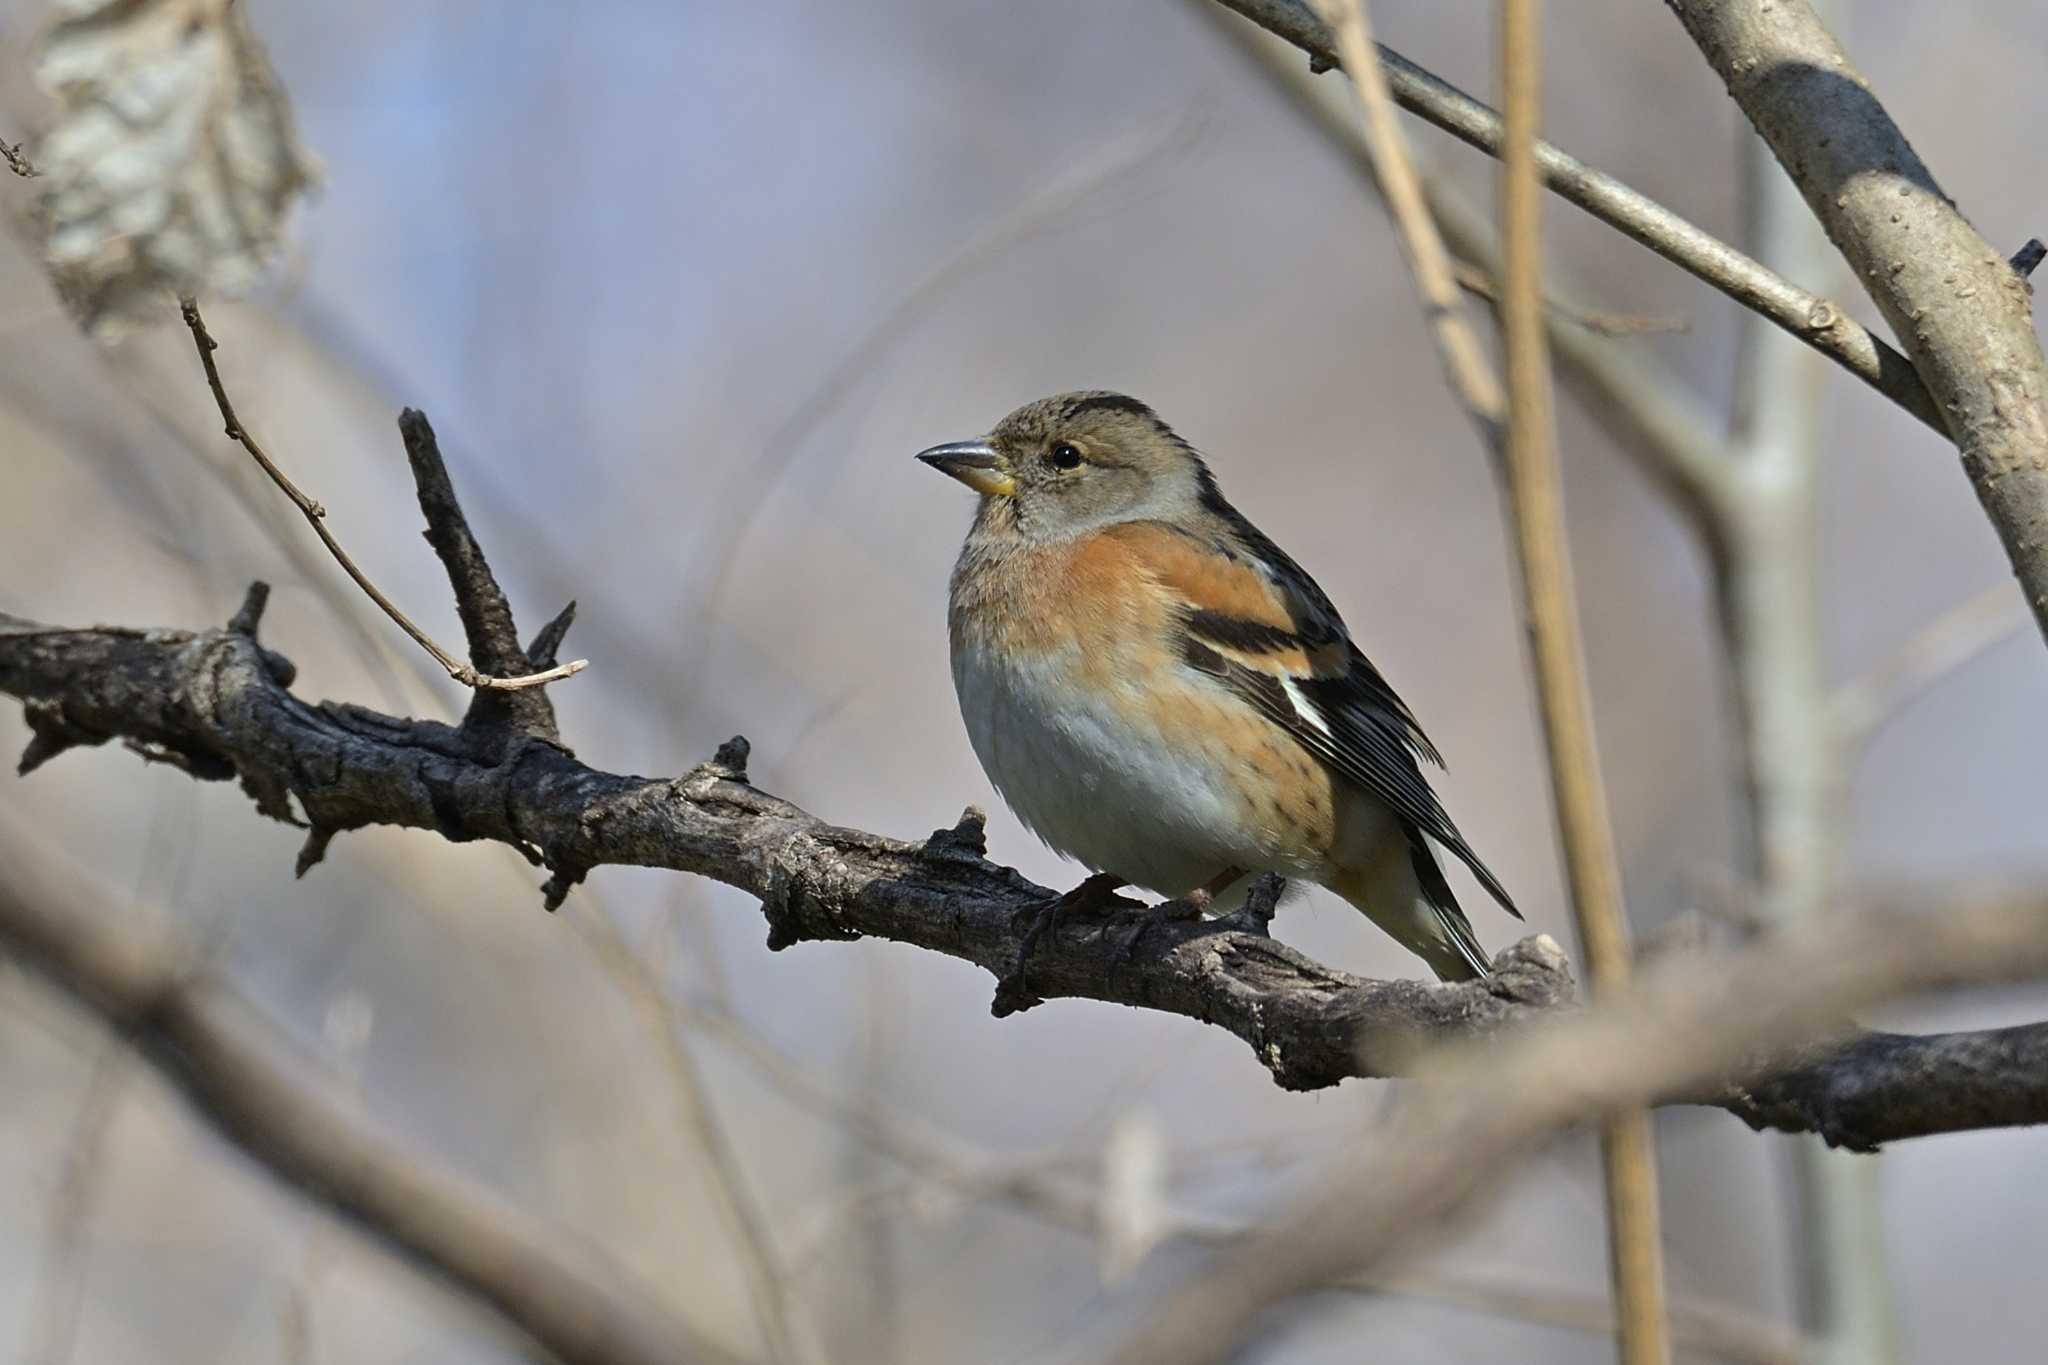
1193,905
1198,899
1013,992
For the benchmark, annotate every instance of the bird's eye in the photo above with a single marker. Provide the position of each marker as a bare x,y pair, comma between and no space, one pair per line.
1065,456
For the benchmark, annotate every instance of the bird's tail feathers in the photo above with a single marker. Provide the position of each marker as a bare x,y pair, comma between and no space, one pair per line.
1404,892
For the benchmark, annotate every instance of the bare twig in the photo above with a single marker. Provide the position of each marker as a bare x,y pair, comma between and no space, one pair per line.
1461,1136
1819,323
316,516
1628,1154
1464,359
1651,411
1082,181
1934,651
1478,281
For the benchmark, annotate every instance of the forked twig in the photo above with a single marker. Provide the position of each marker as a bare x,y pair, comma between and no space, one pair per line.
316,516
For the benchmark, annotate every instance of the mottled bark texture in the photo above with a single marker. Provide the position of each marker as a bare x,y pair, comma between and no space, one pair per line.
217,704
1963,311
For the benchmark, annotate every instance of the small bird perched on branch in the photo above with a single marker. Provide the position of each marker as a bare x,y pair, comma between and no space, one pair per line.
1161,693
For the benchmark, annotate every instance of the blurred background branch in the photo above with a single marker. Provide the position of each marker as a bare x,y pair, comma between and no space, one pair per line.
253,1087
1486,1109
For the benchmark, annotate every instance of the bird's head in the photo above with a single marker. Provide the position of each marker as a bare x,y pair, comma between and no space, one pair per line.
1064,465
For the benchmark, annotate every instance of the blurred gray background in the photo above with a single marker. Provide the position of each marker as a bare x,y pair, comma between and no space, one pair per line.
683,287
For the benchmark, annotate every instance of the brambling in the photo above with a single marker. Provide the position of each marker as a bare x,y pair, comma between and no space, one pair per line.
1161,693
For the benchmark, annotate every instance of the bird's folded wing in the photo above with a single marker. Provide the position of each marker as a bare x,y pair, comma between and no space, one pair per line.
1262,626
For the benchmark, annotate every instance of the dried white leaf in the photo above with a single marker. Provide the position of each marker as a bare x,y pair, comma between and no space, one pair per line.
170,161
1131,1217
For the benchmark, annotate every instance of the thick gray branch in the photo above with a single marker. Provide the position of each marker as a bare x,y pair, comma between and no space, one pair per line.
1965,314
215,703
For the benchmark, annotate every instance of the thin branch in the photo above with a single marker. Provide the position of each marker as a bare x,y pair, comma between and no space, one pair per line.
250,1084
1819,323
1479,282
1933,652
1461,1136
1651,411
316,517
1084,180
1464,359
1628,1153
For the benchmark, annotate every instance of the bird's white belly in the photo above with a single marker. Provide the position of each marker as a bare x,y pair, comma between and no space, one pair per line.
1097,781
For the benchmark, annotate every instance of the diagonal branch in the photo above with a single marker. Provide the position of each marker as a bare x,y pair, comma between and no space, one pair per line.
1964,310
1821,324
1463,1134
214,1045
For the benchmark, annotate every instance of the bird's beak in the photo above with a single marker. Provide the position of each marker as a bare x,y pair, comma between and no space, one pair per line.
974,463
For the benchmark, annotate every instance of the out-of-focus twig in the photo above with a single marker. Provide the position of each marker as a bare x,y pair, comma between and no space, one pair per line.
1479,282
59,1286
1461,1135
1628,1153
1046,205
1930,654
316,516
1053,1189
767,1279
254,1089
1702,1327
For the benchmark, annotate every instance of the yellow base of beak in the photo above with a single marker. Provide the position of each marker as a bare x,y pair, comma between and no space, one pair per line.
974,463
